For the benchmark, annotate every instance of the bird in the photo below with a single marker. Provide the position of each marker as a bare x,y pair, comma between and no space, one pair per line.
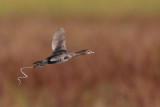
60,53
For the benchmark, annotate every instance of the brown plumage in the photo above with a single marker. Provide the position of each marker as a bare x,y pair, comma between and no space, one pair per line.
60,53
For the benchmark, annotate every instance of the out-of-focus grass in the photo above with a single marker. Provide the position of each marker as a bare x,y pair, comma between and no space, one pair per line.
123,72
79,7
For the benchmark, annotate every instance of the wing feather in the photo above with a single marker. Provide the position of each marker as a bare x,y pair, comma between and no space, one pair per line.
59,43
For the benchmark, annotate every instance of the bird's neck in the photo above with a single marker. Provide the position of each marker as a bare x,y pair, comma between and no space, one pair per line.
80,53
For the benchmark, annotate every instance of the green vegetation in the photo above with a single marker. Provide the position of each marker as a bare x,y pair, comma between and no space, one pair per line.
79,7
123,72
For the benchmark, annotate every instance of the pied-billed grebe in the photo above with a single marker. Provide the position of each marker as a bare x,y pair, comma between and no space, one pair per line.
60,53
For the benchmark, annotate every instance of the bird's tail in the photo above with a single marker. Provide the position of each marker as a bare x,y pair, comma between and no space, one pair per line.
40,63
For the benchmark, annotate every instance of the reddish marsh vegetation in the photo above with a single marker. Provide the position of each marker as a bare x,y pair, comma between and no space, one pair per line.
123,72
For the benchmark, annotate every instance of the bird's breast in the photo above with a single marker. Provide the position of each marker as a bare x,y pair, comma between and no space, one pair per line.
60,59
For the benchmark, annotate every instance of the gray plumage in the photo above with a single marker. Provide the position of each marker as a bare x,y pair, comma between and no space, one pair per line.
59,42
60,53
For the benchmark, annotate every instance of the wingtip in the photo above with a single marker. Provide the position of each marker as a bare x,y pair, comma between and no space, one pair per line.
61,29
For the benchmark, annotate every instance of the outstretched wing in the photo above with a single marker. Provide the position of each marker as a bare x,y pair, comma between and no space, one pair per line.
59,43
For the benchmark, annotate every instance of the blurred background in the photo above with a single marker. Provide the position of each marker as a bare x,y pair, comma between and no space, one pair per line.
123,72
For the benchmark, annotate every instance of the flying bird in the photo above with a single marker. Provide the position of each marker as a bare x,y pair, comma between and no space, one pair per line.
60,53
